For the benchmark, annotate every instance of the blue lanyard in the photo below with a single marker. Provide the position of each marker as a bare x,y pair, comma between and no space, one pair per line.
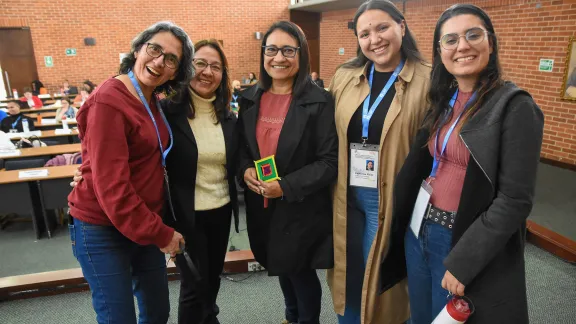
143,99
367,113
235,98
16,122
436,162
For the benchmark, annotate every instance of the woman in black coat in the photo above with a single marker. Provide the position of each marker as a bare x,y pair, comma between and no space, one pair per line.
467,236
202,166
290,219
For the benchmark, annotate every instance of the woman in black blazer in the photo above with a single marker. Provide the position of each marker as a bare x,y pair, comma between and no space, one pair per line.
202,165
290,219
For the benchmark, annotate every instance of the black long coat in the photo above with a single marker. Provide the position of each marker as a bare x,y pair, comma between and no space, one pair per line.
182,162
504,139
293,233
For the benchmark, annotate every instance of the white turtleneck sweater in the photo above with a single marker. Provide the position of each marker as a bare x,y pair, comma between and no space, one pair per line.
211,178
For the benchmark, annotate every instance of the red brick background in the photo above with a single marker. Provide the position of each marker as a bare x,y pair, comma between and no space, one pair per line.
527,33
58,24
528,30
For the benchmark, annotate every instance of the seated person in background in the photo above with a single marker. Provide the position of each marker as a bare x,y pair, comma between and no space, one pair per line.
316,80
66,110
571,85
252,78
236,92
36,87
33,101
14,118
88,86
82,97
67,89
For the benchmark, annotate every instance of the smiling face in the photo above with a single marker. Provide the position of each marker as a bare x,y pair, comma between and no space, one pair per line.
152,72
279,67
380,39
28,95
65,104
466,61
208,79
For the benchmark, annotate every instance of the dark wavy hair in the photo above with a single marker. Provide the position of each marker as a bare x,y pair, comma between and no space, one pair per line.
444,84
302,79
223,92
409,48
185,70
89,84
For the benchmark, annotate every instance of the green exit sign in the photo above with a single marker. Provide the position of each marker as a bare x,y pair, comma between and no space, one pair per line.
70,52
546,65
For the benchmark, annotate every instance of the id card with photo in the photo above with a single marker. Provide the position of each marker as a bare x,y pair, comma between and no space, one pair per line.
364,165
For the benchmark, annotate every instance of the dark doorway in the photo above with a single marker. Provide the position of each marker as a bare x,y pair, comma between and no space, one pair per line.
310,24
17,58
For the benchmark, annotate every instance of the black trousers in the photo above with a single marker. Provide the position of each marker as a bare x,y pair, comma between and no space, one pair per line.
207,248
302,297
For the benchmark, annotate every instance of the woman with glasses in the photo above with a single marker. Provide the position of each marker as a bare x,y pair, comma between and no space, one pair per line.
380,104
288,137
466,188
117,232
204,163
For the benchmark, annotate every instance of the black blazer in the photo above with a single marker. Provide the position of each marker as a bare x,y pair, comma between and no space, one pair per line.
182,160
295,232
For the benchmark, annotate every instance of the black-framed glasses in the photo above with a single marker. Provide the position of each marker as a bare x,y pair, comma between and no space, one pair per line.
155,50
287,51
474,36
201,64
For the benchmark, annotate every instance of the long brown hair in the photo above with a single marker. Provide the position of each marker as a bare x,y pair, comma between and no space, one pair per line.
223,92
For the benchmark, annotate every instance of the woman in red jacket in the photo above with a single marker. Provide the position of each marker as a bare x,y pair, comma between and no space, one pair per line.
116,230
33,101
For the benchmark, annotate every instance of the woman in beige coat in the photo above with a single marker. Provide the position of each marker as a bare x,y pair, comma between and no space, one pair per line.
380,104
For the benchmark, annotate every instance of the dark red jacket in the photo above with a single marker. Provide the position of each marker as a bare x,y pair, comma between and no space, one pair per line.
123,179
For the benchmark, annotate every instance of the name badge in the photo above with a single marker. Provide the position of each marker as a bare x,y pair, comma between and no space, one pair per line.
420,208
364,165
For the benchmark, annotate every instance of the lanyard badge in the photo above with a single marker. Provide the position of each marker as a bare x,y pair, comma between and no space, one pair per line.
163,153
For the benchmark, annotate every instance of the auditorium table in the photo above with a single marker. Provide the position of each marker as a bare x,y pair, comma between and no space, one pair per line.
45,151
36,195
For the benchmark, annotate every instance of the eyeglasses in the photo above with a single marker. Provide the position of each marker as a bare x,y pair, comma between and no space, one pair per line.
155,50
201,65
474,36
287,51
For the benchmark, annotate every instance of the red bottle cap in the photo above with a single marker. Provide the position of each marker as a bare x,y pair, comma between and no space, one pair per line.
459,308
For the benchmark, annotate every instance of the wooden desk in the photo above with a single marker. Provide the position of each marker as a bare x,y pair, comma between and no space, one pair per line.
39,110
55,172
45,151
54,126
50,192
47,114
50,134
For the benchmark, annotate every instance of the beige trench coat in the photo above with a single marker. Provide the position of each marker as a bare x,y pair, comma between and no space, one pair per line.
349,88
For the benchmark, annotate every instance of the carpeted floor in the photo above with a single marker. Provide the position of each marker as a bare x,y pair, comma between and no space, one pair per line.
258,300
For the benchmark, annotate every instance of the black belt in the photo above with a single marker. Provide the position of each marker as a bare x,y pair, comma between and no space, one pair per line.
442,217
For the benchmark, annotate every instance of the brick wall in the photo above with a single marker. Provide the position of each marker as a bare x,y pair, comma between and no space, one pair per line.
527,30
57,24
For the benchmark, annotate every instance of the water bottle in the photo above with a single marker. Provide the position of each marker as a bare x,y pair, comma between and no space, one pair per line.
457,311
65,123
15,93
25,126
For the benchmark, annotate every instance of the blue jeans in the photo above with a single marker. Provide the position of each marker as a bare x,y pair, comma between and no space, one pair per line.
362,221
117,269
424,260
